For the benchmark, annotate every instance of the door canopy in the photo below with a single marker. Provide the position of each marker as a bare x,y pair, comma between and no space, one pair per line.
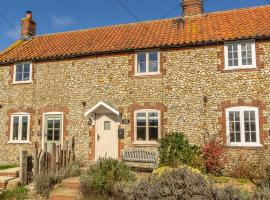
101,107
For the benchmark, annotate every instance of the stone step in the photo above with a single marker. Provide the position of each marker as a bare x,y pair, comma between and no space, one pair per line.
62,193
4,181
71,183
11,172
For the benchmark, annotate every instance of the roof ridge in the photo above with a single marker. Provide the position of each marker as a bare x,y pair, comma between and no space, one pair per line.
236,9
149,21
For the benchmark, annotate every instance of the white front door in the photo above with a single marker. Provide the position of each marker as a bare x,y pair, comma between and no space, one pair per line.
53,130
106,136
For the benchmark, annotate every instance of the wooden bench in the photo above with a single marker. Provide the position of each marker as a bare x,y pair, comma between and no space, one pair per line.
142,159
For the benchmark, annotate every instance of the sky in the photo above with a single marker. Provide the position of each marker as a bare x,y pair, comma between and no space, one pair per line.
65,15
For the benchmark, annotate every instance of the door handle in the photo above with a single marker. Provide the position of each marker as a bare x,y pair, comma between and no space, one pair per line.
98,137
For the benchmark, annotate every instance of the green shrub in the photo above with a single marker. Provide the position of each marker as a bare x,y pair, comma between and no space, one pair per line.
19,193
181,184
44,183
100,178
175,150
7,166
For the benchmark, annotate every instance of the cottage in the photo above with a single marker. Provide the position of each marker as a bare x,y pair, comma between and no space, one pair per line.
125,86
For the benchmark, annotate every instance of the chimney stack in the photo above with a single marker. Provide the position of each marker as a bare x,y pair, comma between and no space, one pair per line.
28,26
192,7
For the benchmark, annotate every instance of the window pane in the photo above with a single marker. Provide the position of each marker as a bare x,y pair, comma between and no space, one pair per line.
26,76
253,137
237,116
57,123
24,127
234,126
19,76
153,66
141,119
50,123
15,133
153,119
19,68
57,135
107,125
49,134
141,133
141,62
141,57
247,136
141,67
238,137
153,56
246,54
26,68
232,55
153,133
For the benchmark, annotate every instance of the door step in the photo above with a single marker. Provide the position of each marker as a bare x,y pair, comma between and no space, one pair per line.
12,172
67,190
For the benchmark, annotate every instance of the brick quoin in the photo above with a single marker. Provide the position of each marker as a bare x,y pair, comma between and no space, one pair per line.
262,120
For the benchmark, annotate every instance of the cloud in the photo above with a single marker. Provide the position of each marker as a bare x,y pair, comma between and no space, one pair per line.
62,21
14,33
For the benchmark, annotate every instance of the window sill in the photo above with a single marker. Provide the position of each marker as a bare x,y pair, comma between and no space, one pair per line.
19,142
245,145
226,68
147,74
22,82
145,143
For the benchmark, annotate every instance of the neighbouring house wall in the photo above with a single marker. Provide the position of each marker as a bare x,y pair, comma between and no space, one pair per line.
188,74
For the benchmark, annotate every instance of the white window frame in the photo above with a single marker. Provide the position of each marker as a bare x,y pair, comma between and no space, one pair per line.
147,63
241,110
147,126
15,71
240,66
19,141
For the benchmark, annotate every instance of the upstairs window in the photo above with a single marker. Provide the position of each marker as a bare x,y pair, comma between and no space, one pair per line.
20,128
147,63
22,73
240,55
147,126
242,126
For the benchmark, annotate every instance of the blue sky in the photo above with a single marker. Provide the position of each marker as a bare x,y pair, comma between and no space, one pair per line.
64,15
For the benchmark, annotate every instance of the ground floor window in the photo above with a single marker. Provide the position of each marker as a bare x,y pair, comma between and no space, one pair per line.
242,126
147,126
20,128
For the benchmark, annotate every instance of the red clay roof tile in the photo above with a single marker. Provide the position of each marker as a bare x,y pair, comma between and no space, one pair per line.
211,27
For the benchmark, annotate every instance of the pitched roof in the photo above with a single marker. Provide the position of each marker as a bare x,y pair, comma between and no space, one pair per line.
211,27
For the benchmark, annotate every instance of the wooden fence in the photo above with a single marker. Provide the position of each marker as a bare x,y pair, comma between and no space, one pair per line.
44,162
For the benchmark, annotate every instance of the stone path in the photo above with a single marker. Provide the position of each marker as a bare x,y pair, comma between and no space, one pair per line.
8,175
67,190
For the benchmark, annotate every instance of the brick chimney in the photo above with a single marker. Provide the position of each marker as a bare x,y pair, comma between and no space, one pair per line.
192,7
28,26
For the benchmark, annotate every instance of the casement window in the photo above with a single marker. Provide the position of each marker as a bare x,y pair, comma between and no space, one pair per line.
147,63
19,128
147,126
240,55
242,126
22,73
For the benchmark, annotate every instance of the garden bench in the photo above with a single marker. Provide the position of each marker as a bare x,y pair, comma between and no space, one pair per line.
140,158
